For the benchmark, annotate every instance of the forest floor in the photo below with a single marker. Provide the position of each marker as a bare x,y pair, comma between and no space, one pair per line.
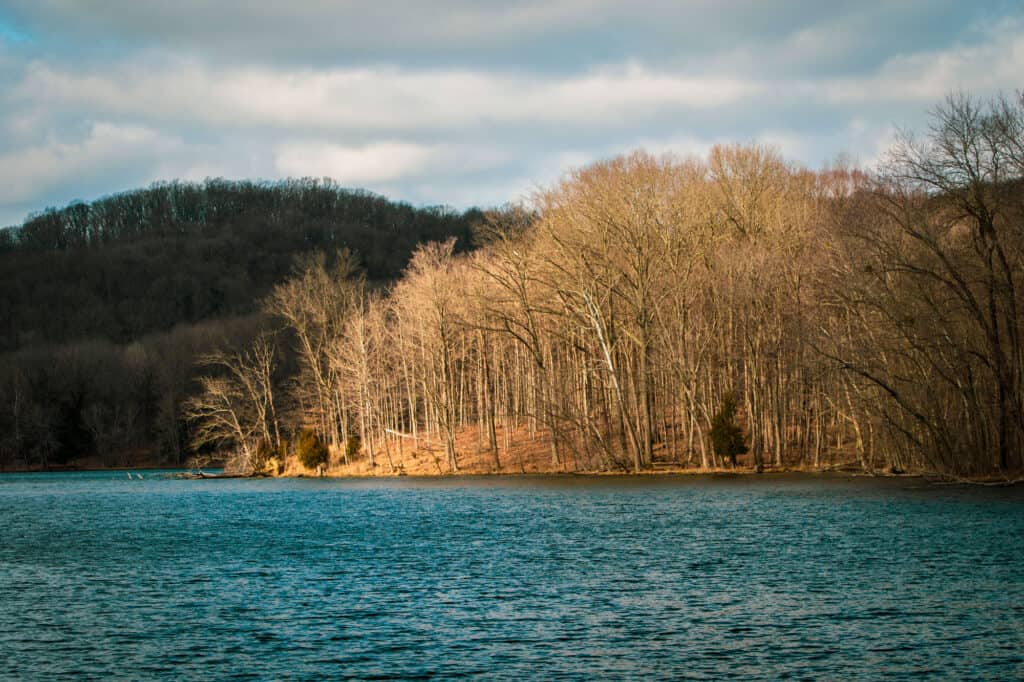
519,452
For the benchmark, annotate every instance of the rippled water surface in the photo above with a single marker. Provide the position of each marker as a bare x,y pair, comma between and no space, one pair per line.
753,577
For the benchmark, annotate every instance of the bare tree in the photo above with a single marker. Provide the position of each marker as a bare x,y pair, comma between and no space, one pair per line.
235,407
315,304
932,283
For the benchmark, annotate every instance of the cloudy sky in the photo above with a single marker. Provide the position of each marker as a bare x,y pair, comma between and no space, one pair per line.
464,102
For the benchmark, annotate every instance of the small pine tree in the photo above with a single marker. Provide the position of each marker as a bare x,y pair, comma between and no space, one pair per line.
352,446
310,449
726,435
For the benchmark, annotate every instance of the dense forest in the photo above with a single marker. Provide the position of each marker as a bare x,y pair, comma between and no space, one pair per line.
143,261
105,306
643,312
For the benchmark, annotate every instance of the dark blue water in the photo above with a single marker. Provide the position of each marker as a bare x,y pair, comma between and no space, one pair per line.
528,578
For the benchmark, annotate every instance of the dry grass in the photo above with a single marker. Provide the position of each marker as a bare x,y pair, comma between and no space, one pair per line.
526,453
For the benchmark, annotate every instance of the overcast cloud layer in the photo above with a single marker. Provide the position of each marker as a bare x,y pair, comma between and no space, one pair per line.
464,102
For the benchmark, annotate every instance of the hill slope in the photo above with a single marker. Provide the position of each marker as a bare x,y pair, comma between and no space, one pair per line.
145,260
105,306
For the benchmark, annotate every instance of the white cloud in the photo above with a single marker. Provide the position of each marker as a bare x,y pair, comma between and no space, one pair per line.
464,101
353,165
30,171
926,77
372,99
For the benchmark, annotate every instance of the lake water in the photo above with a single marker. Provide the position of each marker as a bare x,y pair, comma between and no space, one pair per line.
528,578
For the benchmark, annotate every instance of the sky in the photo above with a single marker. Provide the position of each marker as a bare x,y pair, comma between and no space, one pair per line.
465,102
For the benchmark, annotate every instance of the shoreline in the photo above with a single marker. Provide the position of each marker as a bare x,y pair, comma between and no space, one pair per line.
744,472
341,473
661,472
72,470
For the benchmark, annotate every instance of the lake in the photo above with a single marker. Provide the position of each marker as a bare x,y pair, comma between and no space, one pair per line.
509,577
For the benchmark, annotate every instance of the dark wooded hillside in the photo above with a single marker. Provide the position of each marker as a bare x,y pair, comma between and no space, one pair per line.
145,260
105,307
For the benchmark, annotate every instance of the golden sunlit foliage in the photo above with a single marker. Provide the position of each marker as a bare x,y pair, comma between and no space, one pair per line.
841,318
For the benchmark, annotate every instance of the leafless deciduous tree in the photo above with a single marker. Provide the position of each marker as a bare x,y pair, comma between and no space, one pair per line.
235,407
856,319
